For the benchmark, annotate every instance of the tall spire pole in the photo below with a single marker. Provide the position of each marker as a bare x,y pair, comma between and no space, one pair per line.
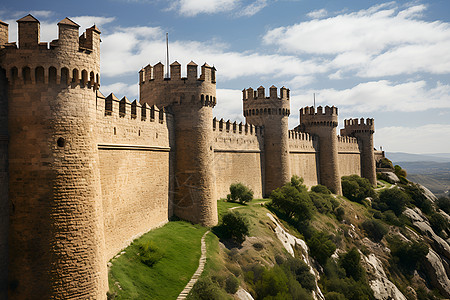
167,55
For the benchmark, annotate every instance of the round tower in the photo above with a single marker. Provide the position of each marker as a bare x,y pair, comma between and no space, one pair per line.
56,239
323,124
363,131
273,113
191,100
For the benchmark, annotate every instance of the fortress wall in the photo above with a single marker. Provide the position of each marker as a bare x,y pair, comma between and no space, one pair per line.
238,157
349,156
303,155
4,204
135,171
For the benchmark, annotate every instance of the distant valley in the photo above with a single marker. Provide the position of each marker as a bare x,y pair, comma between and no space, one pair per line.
430,170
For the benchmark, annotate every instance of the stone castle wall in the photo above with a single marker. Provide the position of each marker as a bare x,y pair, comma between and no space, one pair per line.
82,175
238,157
136,169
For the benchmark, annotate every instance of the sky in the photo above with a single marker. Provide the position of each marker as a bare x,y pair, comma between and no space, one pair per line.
384,60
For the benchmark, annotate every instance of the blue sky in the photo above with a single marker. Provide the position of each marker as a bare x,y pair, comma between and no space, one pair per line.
387,60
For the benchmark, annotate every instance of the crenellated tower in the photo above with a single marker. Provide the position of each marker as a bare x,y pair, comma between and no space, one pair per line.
56,238
363,130
191,100
323,124
273,113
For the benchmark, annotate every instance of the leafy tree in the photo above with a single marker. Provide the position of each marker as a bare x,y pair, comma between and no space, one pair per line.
394,199
239,192
408,254
322,202
231,284
444,204
399,171
320,246
235,226
205,289
375,229
418,197
350,261
293,201
385,163
301,271
438,222
356,188
320,189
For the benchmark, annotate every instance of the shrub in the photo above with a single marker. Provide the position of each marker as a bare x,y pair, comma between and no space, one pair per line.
258,246
239,192
321,247
231,284
444,204
356,188
385,163
399,171
320,189
235,226
390,217
395,199
408,254
149,253
350,261
292,200
301,271
375,229
205,289
339,212
418,198
438,223
322,202
334,296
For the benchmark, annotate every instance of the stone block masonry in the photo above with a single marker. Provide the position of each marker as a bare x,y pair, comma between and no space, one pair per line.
82,175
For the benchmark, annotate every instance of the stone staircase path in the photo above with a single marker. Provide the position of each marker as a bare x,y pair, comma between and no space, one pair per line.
197,273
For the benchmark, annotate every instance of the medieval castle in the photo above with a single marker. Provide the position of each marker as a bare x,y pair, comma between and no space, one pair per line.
82,174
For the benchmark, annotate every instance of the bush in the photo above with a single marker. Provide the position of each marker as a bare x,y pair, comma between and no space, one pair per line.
322,202
335,296
231,284
350,261
399,171
438,223
239,192
321,247
149,253
205,289
356,188
340,213
235,226
293,200
390,217
375,229
320,189
301,271
394,199
418,198
385,163
408,254
444,204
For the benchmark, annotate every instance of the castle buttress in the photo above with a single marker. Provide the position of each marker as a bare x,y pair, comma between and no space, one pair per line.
83,174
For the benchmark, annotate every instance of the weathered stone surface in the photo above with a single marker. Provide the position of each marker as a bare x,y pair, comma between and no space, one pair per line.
436,273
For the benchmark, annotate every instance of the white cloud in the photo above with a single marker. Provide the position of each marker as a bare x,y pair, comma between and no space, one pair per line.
229,105
431,138
191,8
381,95
317,14
253,8
383,40
120,89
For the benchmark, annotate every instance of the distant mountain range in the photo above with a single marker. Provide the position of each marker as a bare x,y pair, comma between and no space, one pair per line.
430,170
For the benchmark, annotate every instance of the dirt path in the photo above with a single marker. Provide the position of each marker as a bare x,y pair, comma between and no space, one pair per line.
201,266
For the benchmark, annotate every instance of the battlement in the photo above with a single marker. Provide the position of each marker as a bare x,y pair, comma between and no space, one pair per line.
69,60
320,117
156,73
352,126
347,140
239,128
297,135
68,36
123,108
260,94
256,104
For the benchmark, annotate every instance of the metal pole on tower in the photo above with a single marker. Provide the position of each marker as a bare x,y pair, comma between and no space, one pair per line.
167,55
314,100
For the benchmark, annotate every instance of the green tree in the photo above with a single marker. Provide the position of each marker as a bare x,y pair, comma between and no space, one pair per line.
235,226
320,246
356,188
394,199
292,201
375,229
350,261
239,192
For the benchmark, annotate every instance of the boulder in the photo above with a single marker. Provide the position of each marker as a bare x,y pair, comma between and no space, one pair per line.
389,177
436,273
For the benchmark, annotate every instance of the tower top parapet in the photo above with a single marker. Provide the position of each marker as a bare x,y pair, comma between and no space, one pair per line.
352,126
260,94
322,116
68,36
156,73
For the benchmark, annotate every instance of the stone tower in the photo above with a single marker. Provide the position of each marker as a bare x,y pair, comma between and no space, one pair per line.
191,100
363,131
56,239
273,113
323,124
